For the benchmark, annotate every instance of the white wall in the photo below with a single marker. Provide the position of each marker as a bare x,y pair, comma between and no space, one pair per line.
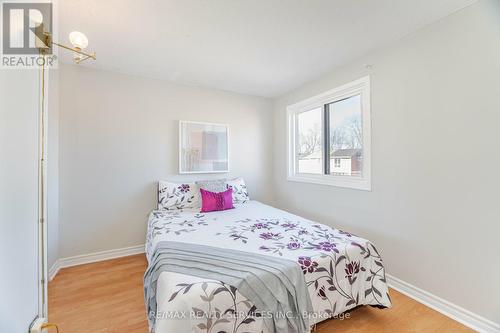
18,199
119,136
435,99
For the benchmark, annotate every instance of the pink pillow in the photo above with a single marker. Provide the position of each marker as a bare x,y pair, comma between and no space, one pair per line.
211,201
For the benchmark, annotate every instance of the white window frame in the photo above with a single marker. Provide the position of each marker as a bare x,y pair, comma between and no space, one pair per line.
358,87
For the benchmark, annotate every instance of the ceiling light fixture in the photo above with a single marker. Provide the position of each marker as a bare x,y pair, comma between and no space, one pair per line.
79,42
77,39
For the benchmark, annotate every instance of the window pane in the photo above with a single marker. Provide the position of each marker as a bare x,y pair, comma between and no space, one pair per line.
346,137
310,152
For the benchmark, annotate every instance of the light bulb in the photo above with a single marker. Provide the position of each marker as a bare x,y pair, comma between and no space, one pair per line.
78,39
36,17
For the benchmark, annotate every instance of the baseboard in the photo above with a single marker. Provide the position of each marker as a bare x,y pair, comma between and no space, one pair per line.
36,325
54,269
93,257
449,309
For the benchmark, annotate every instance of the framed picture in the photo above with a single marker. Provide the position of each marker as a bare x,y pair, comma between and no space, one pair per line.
203,147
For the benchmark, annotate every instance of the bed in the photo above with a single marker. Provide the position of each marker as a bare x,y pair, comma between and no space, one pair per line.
341,271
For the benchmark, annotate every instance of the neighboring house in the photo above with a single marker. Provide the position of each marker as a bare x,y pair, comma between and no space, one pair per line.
346,162
343,162
311,163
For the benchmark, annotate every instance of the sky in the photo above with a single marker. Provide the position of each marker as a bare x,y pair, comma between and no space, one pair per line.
340,114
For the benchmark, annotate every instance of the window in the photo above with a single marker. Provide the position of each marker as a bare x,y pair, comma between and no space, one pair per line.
329,137
310,152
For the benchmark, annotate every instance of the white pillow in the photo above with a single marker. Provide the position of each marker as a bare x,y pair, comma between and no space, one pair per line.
177,195
240,192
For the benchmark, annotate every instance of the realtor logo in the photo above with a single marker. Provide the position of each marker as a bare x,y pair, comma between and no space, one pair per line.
24,28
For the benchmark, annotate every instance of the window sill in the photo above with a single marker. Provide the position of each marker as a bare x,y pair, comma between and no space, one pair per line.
362,184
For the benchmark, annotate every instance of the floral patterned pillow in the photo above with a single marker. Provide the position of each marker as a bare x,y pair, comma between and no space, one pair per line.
240,192
177,196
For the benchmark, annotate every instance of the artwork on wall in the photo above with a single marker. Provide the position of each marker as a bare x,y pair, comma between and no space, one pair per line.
203,147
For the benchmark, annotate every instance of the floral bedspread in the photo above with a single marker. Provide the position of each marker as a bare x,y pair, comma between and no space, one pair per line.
341,270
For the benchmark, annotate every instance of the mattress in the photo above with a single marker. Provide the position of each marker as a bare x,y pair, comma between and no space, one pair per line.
341,270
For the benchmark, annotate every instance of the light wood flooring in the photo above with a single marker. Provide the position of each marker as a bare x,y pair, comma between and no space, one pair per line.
107,297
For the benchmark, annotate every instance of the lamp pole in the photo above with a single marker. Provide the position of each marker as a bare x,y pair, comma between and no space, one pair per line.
45,43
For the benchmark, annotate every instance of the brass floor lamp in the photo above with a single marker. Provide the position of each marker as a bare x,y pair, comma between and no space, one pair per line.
45,43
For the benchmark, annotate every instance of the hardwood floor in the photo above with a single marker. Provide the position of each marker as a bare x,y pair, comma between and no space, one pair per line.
103,297
107,297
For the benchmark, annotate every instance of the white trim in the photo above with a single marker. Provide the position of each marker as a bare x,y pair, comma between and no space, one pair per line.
339,181
36,325
94,257
42,255
101,256
361,87
180,147
54,270
443,306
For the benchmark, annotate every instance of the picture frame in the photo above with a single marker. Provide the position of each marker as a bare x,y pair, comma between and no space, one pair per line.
203,147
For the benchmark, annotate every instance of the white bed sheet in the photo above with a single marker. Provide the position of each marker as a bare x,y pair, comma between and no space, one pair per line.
341,270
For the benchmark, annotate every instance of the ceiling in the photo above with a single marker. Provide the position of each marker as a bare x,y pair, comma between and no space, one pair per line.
256,47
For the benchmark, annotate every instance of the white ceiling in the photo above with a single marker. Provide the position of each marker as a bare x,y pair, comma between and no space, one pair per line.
257,47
